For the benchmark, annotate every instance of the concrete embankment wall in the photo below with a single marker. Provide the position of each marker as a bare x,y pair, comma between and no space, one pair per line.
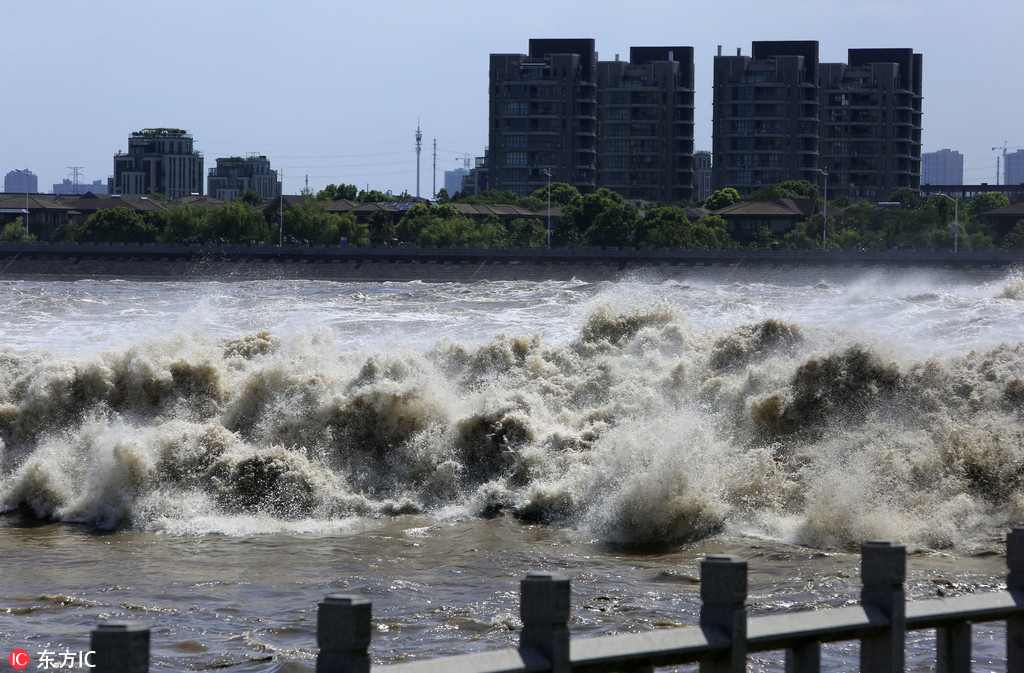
181,262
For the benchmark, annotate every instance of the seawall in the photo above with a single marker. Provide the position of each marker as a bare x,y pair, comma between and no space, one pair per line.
242,262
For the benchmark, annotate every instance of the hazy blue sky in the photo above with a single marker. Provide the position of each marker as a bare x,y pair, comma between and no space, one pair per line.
333,90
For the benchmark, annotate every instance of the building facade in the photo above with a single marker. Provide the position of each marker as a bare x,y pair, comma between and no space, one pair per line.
1013,168
645,124
945,167
453,180
871,123
780,115
235,175
766,119
21,180
543,117
158,161
702,176
627,126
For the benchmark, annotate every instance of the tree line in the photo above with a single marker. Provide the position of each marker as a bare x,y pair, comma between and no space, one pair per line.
600,219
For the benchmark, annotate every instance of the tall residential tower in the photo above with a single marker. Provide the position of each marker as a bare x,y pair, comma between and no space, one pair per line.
780,114
627,126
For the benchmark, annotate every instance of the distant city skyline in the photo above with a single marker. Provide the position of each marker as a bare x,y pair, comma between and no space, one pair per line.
334,92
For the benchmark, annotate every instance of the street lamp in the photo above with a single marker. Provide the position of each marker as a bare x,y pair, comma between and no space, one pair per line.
547,172
26,173
280,211
956,221
824,209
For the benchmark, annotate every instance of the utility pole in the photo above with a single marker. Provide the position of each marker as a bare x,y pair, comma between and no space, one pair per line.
419,146
434,193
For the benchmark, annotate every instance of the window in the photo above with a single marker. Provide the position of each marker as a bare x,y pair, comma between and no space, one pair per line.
515,159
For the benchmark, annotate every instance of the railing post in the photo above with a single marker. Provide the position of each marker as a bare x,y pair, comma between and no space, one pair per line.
544,609
804,658
1015,583
883,569
953,648
343,634
120,647
723,595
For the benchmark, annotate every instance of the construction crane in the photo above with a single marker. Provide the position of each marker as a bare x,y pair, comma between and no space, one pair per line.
1005,149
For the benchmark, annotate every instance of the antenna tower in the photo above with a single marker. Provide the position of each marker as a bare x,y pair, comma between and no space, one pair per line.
419,146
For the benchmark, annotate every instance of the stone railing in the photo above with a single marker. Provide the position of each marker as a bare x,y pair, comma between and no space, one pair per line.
720,642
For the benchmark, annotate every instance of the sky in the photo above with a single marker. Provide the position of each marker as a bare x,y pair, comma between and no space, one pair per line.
332,92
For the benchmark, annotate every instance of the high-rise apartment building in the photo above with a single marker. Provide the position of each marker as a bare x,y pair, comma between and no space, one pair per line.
645,124
871,123
21,180
780,114
453,180
945,167
235,175
766,121
627,126
543,117
1013,168
158,160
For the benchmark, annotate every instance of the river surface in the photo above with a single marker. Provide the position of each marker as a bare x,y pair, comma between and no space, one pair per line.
213,458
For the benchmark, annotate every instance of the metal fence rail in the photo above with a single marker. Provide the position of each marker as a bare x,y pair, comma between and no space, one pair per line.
720,643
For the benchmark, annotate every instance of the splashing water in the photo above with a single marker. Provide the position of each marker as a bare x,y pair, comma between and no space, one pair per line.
644,412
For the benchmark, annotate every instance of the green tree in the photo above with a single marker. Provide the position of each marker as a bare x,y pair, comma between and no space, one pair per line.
381,229
185,223
602,218
14,232
712,231
373,196
1015,239
119,225
238,222
907,198
803,236
251,197
489,234
790,189
69,232
533,203
526,233
311,222
562,194
334,192
722,198
442,196
583,221
664,227
984,202
488,197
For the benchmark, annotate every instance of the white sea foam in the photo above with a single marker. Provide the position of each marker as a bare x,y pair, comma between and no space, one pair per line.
643,412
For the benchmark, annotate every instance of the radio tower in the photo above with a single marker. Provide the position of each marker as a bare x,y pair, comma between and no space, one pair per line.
419,146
